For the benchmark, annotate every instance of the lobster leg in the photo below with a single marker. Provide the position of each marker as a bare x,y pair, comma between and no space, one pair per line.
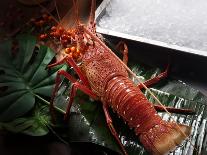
91,22
71,63
160,108
122,47
112,129
175,110
57,83
82,77
76,85
74,88
56,63
155,79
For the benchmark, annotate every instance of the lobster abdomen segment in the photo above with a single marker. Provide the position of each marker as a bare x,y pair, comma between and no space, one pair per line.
130,103
127,100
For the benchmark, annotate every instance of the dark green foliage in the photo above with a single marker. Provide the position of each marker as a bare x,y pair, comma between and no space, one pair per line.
25,76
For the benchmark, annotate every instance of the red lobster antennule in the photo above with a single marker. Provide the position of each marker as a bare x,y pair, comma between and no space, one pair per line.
156,135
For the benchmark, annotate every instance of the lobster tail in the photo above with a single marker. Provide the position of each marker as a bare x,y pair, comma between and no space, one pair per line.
164,137
157,136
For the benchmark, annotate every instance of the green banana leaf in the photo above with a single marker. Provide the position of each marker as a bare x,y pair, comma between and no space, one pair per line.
24,76
35,125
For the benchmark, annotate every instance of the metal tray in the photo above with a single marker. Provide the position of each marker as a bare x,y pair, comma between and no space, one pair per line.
101,10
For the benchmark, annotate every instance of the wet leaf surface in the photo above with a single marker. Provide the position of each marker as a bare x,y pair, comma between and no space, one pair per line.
35,125
24,75
87,123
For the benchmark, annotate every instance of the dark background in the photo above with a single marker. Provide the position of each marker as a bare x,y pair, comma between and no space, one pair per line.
187,67
13,15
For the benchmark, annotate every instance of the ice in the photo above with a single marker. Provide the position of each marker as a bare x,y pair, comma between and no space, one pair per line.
177,22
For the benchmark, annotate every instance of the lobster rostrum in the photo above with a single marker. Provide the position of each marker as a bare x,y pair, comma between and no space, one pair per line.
104,77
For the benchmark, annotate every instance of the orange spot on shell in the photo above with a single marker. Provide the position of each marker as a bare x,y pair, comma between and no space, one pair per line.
78,51
67,50
68,32
56,34
73,49
60,30
65,37
75,55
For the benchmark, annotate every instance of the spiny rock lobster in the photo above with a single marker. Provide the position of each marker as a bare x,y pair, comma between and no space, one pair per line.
104,77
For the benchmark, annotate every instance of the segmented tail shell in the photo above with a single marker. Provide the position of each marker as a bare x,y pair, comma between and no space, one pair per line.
156,135
164,137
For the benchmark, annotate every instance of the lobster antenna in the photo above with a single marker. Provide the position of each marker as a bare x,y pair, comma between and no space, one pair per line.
44,8
132,73
92,12
76,11
57,10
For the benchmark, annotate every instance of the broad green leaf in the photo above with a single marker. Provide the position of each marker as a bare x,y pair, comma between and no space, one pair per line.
35,125
24,75
183,90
